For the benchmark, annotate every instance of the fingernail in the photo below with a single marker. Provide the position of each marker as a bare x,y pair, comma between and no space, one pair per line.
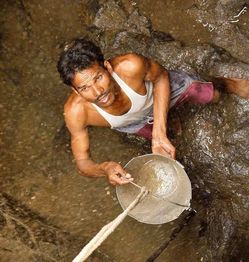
128,175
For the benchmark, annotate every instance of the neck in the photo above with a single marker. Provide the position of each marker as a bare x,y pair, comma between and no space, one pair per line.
121,103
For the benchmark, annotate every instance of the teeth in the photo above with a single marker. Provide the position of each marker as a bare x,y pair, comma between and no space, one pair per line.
104,99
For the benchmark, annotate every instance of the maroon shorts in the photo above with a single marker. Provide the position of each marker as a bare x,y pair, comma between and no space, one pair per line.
197,93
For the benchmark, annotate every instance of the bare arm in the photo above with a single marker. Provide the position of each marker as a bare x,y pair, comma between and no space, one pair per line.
149,70
136,69
80,144
161,95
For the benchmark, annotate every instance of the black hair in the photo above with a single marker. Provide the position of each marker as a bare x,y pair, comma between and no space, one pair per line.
78,55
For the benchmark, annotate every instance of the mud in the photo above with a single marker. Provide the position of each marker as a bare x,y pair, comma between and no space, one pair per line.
26,236
48,212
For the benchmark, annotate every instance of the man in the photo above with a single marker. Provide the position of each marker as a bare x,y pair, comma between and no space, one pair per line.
130,93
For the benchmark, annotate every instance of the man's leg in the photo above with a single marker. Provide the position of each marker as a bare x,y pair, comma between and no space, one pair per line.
216,96
198,92
195,91
236,86
209,92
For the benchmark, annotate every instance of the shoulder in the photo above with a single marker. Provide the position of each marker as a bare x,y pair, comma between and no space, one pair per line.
130,64
75,113
133,67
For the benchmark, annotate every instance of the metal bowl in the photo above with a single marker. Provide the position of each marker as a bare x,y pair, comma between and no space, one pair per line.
168,184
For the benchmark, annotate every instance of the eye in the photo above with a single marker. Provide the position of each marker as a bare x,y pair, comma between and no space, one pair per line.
83,88
99,77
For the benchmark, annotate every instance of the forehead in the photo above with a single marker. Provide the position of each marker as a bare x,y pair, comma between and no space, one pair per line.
86,75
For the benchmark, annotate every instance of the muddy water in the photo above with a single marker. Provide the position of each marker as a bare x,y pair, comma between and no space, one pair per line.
37,166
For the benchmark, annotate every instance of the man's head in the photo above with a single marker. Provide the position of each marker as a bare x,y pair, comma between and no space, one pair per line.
78,55
82,66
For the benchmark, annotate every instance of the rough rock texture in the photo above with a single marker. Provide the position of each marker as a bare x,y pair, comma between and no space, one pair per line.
213,143
132,32
226,20
214,147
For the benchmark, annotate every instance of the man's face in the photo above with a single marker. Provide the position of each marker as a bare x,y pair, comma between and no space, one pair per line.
95,85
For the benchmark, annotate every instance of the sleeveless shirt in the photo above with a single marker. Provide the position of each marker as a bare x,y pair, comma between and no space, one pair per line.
137,116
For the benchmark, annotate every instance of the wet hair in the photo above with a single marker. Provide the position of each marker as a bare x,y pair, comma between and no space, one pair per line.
78,55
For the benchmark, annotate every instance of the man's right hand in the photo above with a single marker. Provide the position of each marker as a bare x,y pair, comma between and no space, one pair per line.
116,174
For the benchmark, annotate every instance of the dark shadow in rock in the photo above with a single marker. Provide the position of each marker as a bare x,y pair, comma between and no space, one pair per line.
161,36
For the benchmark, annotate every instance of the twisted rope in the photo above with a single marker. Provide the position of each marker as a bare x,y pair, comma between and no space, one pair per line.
108,229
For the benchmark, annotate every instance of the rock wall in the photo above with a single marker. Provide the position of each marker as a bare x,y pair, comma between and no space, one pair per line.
26,236
213,143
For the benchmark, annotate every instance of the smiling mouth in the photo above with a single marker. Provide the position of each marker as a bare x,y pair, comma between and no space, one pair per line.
104,98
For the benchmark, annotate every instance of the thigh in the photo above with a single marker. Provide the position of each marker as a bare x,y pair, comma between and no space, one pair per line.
189,88
197,93
179,83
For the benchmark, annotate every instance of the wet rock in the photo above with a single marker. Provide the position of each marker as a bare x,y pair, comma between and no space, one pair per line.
234,69
213,143
137,23
206,60
26,231
225,20
214,140
26,236
110,16
2,221
125,42
161,36
198,59
13,75
227,239
93,6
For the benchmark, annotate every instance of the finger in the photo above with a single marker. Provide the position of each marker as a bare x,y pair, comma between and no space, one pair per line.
124,182
162,151
112,183
174,154
169,150
121,173
115,179
127,175
127,179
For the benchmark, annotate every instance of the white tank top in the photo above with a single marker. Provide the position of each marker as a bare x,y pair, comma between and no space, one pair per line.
140,105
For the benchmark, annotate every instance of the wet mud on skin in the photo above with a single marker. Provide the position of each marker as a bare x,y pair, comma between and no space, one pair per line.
46,207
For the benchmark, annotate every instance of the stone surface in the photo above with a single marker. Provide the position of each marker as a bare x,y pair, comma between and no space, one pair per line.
26,236
228,24
214,142
37,168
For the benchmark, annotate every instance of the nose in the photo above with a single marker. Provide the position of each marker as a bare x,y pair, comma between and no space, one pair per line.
97,90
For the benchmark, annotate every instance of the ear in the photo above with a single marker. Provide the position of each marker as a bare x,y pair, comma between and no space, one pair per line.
108,66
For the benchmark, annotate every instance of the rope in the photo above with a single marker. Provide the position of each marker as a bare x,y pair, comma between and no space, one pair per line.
108,229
